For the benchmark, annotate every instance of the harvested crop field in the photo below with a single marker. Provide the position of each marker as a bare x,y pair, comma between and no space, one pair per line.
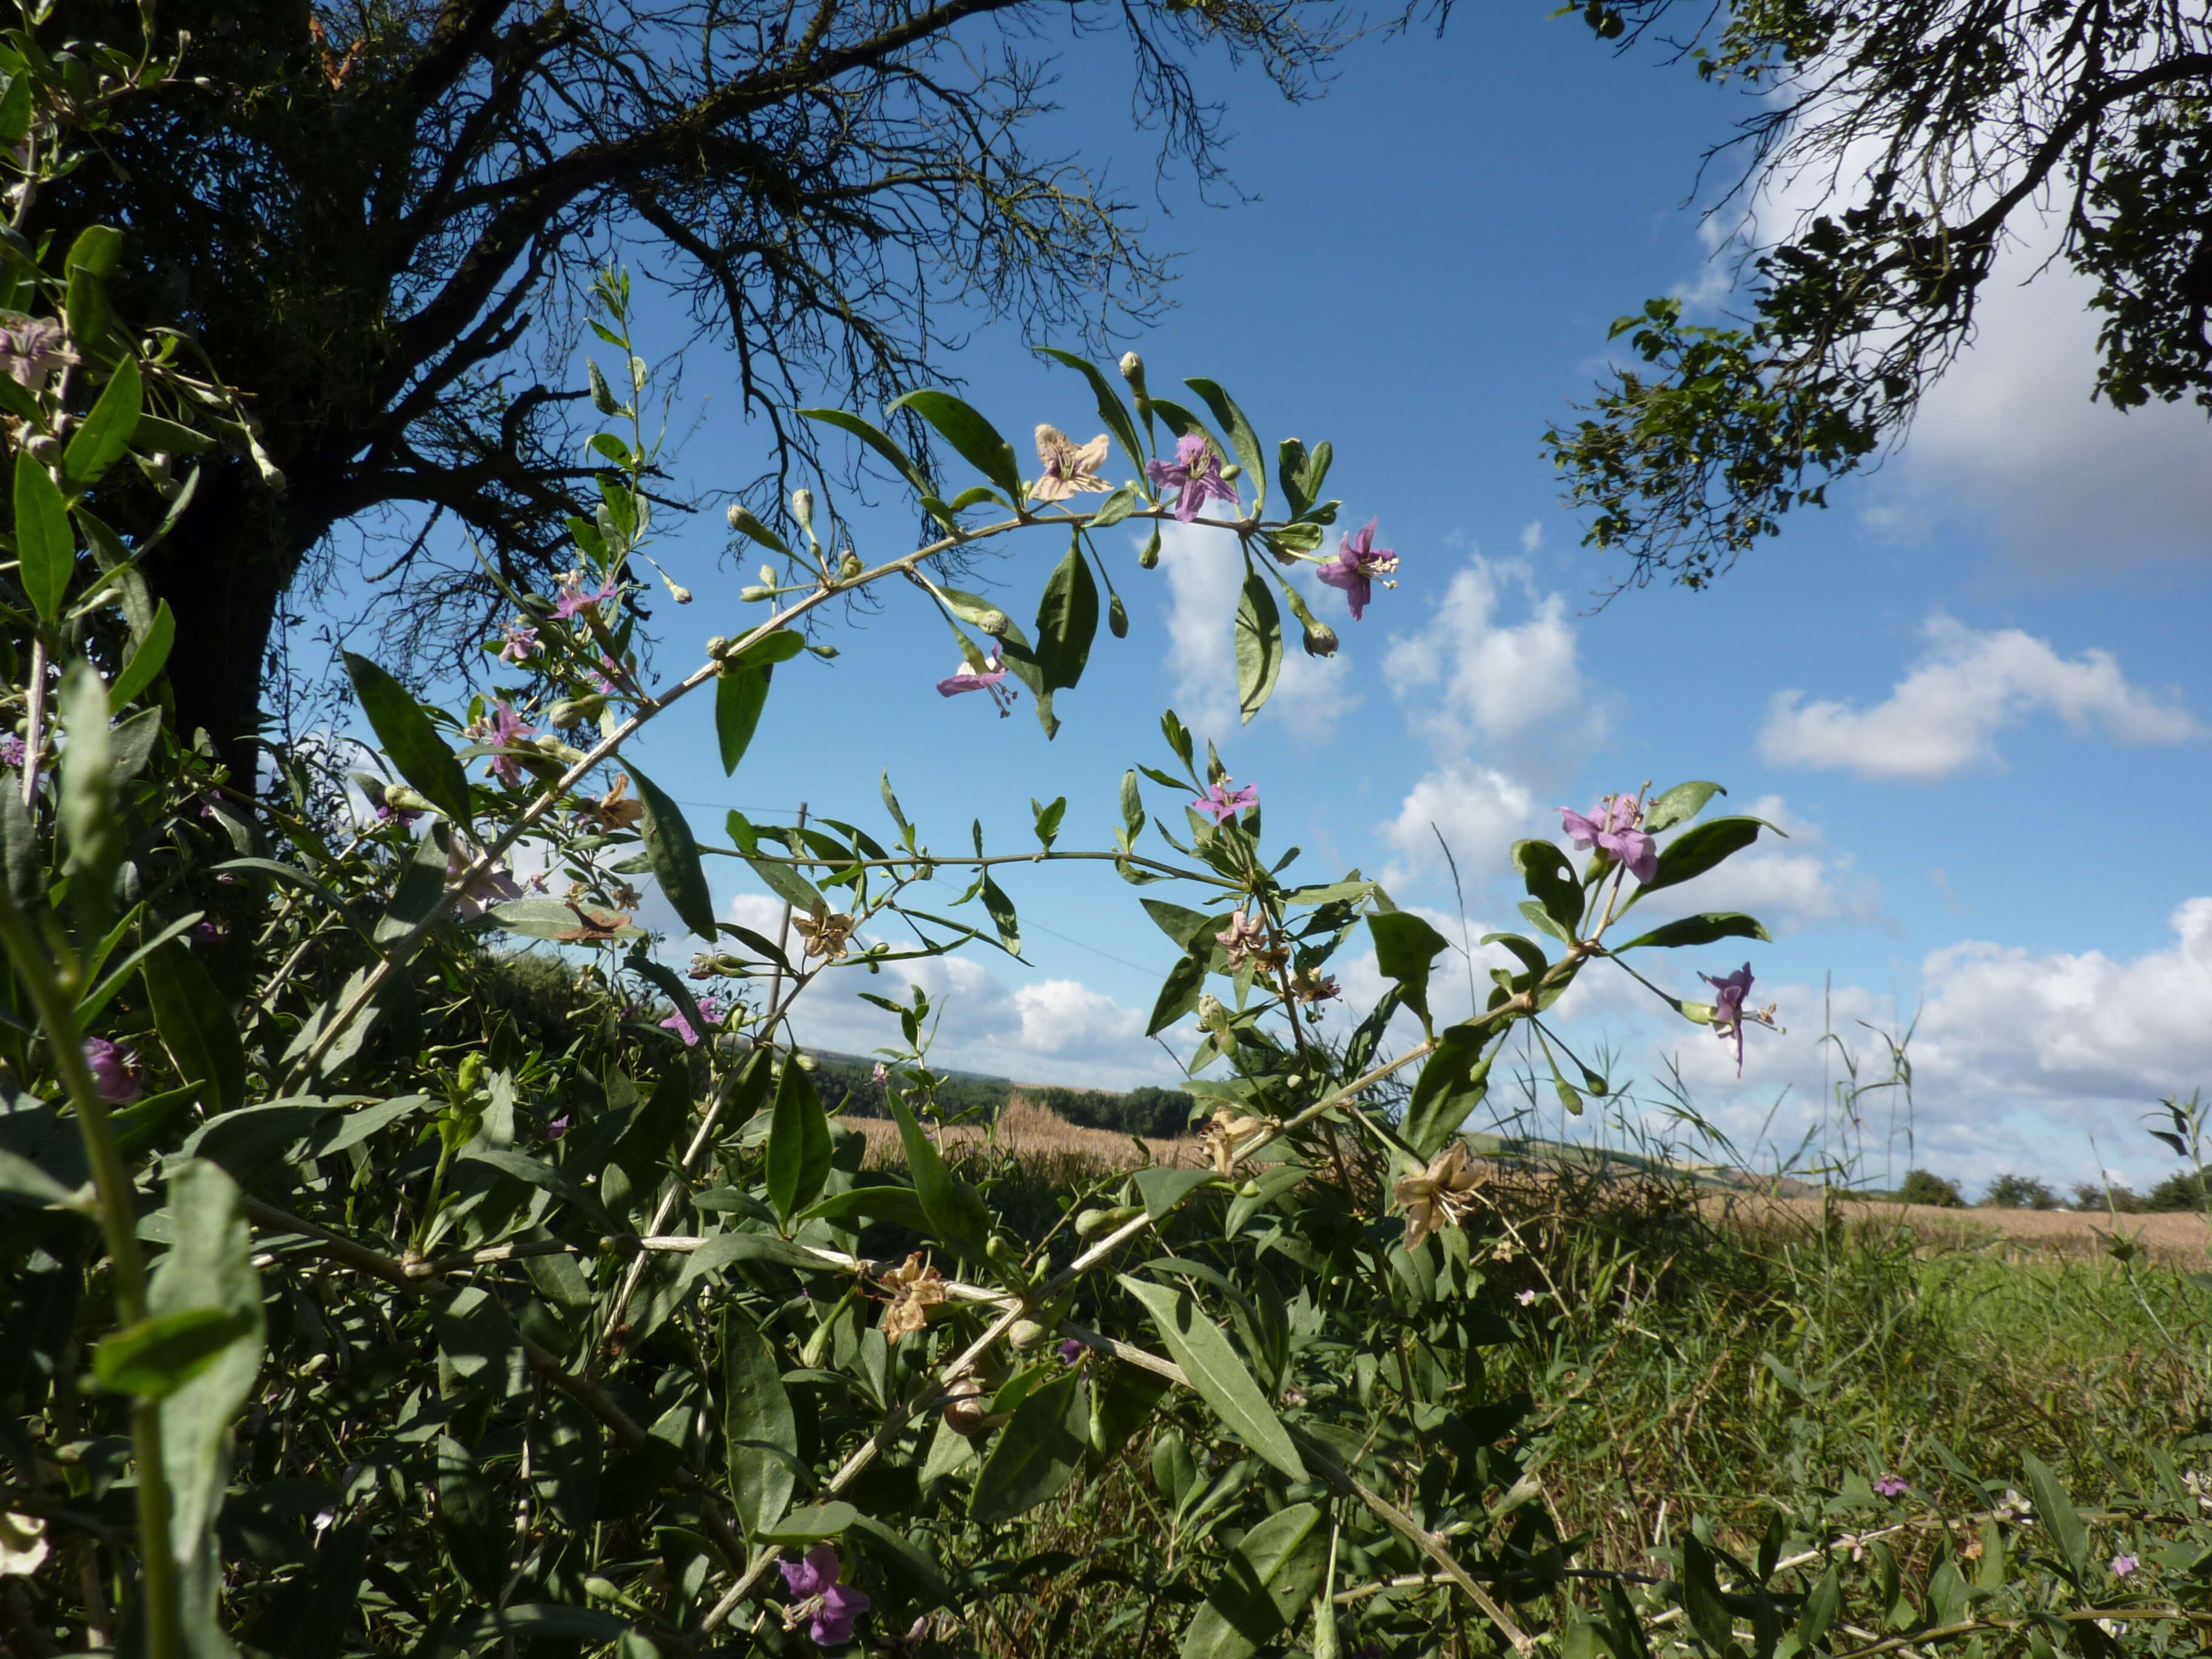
1048,1145
2174,1240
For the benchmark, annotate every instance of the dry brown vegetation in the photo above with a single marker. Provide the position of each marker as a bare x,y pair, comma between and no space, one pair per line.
1049,1146
2176,1240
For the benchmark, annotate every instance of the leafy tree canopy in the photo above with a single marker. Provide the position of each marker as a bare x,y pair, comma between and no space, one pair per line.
1936,133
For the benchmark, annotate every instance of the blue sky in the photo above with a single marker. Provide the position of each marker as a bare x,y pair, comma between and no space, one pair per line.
1973,691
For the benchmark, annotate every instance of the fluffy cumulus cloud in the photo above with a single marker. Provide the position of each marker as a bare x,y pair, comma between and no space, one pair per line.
2041,1061
1053,1030
1943,718
1205,570
1492,680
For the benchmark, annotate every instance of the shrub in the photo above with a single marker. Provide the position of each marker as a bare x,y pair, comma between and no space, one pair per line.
2019,1191
1925,1187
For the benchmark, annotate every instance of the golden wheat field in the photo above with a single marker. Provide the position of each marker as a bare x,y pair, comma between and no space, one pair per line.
1060,1150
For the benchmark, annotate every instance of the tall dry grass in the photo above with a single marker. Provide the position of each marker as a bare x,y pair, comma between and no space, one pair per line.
1046,1145
2180,1240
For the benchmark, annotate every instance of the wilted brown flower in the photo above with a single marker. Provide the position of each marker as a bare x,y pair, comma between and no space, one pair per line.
915,1287
595,926
1245,940
1440,1195
827,934
612,810
1222,1132
1307,986
1069,467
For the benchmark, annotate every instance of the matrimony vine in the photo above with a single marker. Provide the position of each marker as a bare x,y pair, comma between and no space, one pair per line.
402,1256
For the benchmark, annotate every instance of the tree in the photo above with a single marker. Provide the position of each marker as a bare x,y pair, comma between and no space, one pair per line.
1926,1186
2019,1191
375,218
1937,133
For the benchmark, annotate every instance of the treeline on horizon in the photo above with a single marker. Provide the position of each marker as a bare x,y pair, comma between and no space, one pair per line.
2179,1192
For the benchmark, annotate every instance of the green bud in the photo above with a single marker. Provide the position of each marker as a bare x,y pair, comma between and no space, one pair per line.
825,651
995,624
754,595
1150,557
849,569
1320,639
1212,1015
1232,472
802,508
473,1068
1133,371
1025,1333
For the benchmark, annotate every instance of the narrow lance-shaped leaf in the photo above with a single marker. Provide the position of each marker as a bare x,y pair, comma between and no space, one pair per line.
674,854
1264,1585
1067,620
758,1424
798,1143
1036,1455
968,432
1258,644
1241,438
195,1026
740,693
409,738
46,546
105,437
1199,1346
956,1215
148,659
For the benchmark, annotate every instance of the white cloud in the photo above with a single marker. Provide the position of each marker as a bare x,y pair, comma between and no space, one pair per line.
1478,811
2010,435
1791,883
1943,717
1532,535
1468,678
1204,571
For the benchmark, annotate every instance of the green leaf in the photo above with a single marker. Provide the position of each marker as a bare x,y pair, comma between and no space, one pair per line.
760,1432
15,110
98,250
1678,806
957,1216
1241,438
1066,620
208,1266
1266,1582
1199,1346
148,659
86,306
1552,883
1406,948
2056,1510
1036,1455
1701,1595
812,1524
1179,994
1002,916
1111,409
157,1356
739,696
1132,805
89,775
798,1143
44,544
1453,1082
1258,644
1702,929
967,431
105,437
880,1203
409,738
1822,1604
878,440
1698,850
675,855
195,1026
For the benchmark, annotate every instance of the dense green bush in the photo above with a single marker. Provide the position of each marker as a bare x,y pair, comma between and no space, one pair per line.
2019,1191
1924,1187
1148,1111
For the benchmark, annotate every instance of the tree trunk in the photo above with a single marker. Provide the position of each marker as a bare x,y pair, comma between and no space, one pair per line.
224,570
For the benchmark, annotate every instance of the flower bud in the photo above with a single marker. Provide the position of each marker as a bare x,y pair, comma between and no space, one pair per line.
741,518
1091,1223
802,508
768,576
1320,639
1232,472
44,448
825,652
400,798
1150,558
994,623
1212,1015
849,567
1133,371
718,646
754,595
571,710
1025,1333
966,1411
678,592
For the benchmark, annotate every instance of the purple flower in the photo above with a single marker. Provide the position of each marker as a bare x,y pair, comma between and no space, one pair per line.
574,600
114,1070
879,1077
1890,1485
2123,1565
682,1027
1070,1351
557,1127
32,349
1356,563
12,752
1221,804
521,642
815,1590
1195,474
1612,830
965,678
505,729
1728,1009
211,930
493,886
402,815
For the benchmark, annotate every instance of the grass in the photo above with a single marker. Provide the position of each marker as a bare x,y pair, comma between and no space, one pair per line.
1691,1355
